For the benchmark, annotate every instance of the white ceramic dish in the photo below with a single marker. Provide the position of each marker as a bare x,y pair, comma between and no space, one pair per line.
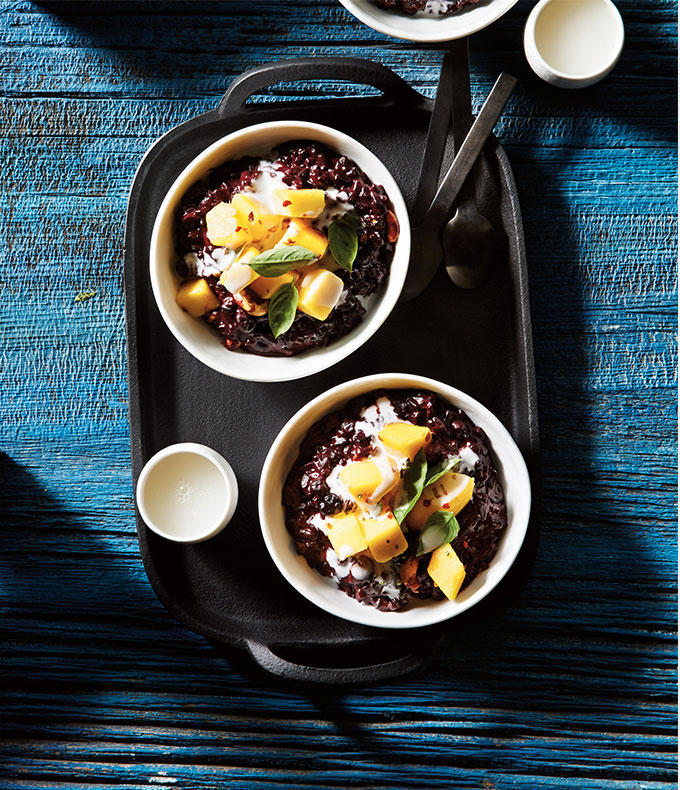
513,477
465,22
200,339
573,43
187,493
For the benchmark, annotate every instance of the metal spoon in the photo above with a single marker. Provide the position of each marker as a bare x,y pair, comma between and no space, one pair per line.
470,242
426,251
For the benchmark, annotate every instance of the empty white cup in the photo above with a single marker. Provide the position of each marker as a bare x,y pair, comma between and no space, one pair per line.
573,43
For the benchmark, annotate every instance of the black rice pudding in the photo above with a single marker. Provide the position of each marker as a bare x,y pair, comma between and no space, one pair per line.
284,253
425,7
396,497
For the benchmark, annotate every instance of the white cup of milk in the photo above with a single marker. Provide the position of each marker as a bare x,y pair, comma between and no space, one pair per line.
187,493
573,43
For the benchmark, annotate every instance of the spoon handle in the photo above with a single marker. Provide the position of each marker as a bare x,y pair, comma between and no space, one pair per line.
434,144
470,150
461,106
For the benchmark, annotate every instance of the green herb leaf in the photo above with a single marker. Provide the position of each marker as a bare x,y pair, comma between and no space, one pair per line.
440,528
352,220
440,469
344,243
282,308
412,486
83,296
274,263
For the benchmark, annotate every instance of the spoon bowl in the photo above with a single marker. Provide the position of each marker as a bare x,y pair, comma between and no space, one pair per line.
471,245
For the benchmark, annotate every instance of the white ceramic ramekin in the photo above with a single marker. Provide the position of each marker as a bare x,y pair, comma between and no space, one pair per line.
431,29
178,483
513,477
535,51
200,339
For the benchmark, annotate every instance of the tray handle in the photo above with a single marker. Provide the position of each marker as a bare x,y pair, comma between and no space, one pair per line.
357,70
274,664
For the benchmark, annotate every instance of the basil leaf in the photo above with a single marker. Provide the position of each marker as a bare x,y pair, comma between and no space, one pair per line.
274,263
352,220
440,528
282,308
440,469
344,243
412,485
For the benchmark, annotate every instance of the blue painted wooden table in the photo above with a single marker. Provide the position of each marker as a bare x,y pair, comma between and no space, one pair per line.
575,686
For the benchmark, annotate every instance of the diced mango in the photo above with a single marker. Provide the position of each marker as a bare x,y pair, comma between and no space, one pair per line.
450,493
345,535
405,438
226,227
446,570
384,537
196,297
302,234
266,287
266,229
361,478
307,203
319,292
239,275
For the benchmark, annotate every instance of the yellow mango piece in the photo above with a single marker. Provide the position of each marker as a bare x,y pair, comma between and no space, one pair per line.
302,234
226,227
345,534
239,275
266,287
266,229
361,478
446,570
450,493
405,438
384,537
308,203
319,292
196,297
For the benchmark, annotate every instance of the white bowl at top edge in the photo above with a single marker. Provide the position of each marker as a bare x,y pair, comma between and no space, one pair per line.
197,337
465,22
513,475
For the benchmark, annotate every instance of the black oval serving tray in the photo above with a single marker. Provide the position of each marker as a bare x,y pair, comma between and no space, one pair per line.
228,589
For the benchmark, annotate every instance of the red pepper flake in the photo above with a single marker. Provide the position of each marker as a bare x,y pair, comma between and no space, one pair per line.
238,228
446,505
286,203
251,217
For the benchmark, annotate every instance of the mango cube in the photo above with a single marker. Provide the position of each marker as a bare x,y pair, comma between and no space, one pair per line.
361,478
266,229
405,438
239,275
384,537
196,297
226,227
266,287
302,234
319,292
446,570
345,534
307,203
450,493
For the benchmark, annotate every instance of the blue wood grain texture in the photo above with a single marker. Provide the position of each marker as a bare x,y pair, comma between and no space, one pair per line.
575,686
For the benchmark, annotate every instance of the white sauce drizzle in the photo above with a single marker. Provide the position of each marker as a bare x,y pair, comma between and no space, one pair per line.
341,568
468,459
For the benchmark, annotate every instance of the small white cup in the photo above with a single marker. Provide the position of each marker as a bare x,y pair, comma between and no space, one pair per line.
573,43
187,493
